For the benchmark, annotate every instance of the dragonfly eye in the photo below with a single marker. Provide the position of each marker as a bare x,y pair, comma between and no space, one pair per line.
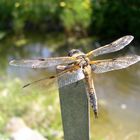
73,51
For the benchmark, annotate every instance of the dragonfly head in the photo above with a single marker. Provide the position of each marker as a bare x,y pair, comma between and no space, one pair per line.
75,52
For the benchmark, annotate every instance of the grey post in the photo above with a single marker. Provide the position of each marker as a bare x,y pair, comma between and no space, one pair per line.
74,111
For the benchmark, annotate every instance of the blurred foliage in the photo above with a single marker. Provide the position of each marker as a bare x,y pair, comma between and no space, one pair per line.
37,108
44,15
79,18
116,18
76,15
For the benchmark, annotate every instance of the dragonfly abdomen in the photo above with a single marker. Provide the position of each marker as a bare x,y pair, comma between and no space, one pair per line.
93,102
90,89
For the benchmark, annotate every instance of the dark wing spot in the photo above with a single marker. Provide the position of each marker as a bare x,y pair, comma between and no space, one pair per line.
52,77
114,59
41,59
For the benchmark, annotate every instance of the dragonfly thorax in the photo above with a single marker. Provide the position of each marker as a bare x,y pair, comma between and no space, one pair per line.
82,60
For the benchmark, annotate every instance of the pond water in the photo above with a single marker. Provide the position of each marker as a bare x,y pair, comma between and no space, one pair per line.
118,91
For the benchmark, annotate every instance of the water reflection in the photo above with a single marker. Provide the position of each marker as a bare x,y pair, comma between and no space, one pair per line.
118,92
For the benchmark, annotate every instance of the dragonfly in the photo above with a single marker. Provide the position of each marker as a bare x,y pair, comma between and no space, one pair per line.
79,66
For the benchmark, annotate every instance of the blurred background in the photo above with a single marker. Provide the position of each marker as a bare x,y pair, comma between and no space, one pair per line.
41,28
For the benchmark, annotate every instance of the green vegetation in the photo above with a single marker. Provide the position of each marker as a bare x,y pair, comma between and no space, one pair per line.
79,18
45,15
116,18
38,109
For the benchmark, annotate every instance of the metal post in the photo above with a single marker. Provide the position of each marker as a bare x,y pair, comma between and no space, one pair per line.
74,111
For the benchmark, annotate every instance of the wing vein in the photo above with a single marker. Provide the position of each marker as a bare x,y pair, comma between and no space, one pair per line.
112,47
102,66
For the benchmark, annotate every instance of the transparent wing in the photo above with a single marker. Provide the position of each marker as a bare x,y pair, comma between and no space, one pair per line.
70,77
65,77
43,62
112,47
102,66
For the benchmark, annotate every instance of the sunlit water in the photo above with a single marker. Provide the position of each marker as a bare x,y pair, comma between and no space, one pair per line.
118,91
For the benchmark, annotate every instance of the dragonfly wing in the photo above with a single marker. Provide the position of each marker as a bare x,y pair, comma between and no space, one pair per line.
102,66
43,62
112,47
70,77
